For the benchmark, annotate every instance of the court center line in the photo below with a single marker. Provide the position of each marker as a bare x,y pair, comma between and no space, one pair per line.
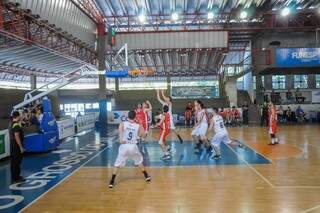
253,169
62,180
310,210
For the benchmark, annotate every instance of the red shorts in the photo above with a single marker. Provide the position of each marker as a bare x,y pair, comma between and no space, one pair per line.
145,126
163,135
273,127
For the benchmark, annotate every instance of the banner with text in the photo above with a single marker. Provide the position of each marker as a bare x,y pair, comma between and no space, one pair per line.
115,117
297,57
194,92
4,144
66,128
85,122
315,96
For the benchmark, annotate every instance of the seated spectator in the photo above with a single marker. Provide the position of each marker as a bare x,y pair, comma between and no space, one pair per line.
222,113
289,95
235,116
298,96
301,114
39,113
188,116
281,115
228,116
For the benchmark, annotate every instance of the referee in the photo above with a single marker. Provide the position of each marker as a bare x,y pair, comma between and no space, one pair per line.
16,147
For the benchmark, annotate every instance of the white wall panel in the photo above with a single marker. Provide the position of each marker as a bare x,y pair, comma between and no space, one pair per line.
173,40
64,14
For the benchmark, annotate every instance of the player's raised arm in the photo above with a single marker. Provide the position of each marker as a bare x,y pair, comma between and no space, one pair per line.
149,105
159,98
121,131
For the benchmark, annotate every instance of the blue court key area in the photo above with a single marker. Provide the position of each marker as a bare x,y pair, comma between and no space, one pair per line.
182,155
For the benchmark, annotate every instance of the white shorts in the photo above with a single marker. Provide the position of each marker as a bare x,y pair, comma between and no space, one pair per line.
172,123
200,130
128,151
220,137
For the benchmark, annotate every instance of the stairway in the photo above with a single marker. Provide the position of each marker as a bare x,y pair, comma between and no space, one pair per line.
254,111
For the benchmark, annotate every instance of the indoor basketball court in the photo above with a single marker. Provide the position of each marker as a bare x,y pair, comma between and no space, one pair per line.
159,106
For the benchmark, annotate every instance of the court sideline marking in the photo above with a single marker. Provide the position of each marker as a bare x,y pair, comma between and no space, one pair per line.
311,209
62,180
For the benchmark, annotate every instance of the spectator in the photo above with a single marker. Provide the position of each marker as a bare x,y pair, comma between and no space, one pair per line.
188,116
39,113
291,117
289,95
281,115
16,147
245,109
301,114
264,114
235,116
298,96
228,116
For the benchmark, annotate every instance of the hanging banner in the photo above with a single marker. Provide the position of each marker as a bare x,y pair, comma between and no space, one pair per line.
297,57
193,92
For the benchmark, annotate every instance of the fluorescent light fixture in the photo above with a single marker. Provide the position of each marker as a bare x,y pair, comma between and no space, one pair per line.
243,15
285,11
210,15
142,18
174,16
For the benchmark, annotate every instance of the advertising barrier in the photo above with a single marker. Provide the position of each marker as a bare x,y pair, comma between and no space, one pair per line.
4,144
193,92
315,96
85,122
66,128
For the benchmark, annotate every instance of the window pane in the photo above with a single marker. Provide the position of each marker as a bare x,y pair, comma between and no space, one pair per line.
278,82
318,80
109,106
95,106
300,81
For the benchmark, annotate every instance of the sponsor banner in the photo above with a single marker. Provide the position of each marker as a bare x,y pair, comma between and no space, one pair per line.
85,122
66,128
193,92
315,96
115,117
4,144
297,57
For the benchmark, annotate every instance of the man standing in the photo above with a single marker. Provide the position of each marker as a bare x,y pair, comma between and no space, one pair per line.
245,110
16,147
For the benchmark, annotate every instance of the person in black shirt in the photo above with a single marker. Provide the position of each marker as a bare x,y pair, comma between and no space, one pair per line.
16,147
264,114
245,109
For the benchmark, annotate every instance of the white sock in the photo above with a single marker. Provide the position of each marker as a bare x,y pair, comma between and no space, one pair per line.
276,140
272,140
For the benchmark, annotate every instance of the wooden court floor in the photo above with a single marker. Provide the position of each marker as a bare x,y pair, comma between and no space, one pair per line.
291,183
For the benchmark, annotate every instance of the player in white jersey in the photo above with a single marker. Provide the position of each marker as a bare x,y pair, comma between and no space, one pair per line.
167,100
221,133
129,131
201,126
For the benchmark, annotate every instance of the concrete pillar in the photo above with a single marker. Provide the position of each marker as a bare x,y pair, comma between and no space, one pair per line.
312,81
231,90
168,85
268,82
102,79
289,82
222,92
248,84
33,82
259,89
116,85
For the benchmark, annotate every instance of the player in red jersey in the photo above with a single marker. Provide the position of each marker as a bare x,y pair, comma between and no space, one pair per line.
164,125
272,114
144,118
